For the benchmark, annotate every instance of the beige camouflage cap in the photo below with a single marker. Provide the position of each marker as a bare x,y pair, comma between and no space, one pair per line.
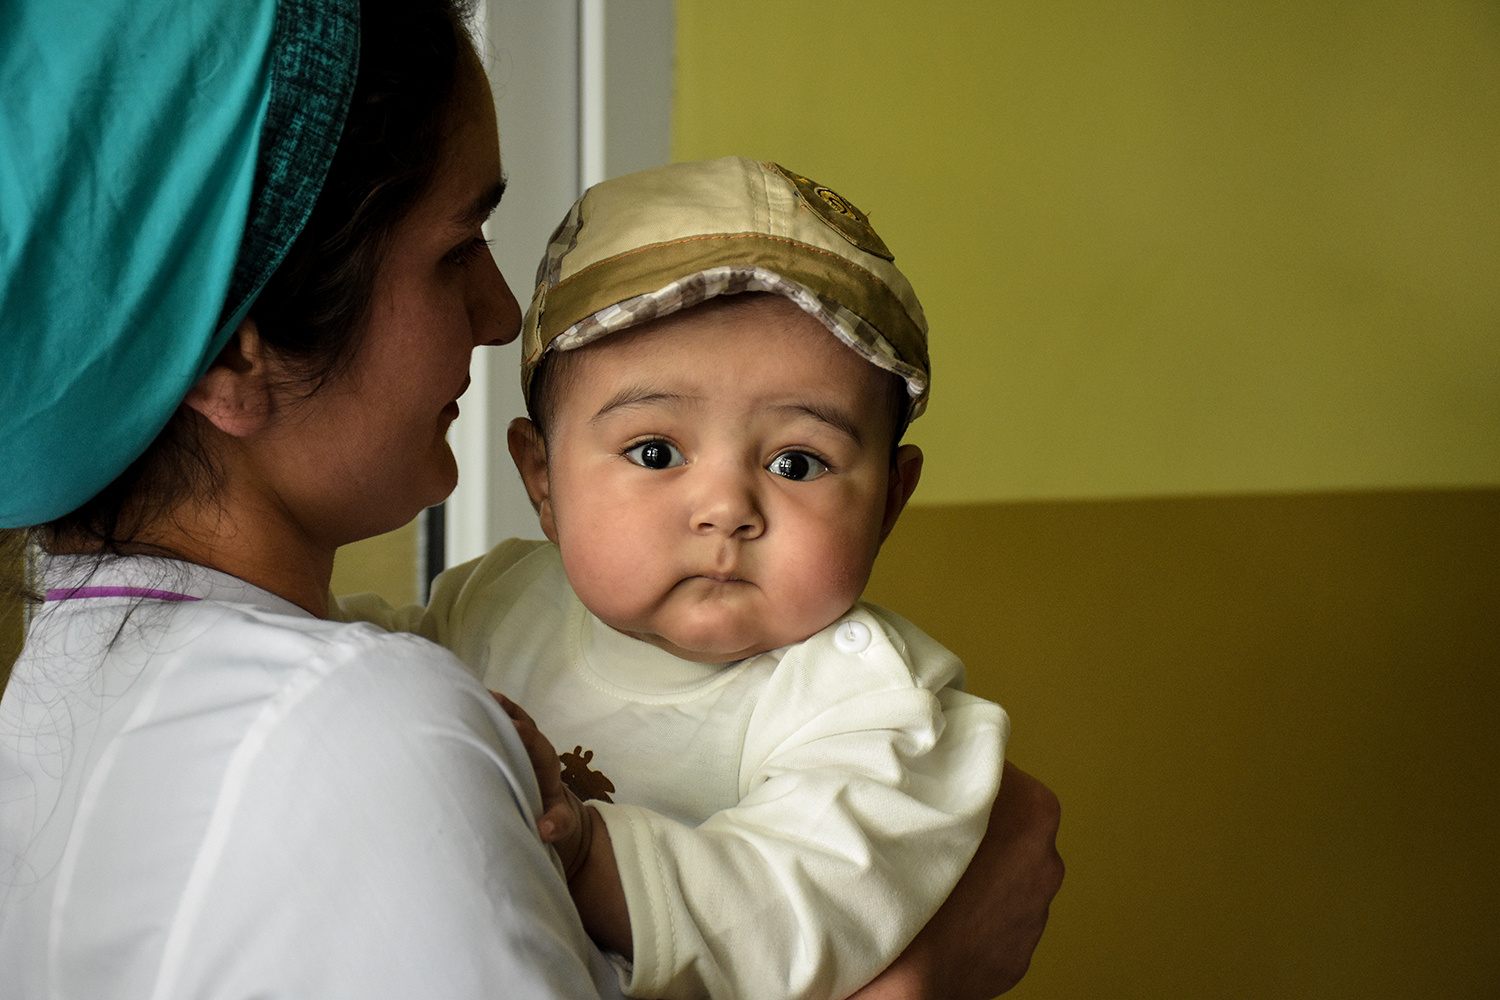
649,244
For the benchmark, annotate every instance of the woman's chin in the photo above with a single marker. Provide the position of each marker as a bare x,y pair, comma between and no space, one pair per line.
443,479
433,485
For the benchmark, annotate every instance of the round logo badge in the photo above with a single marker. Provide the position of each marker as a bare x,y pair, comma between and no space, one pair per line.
838,212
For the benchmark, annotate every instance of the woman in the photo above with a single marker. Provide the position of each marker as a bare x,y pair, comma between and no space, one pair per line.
222,367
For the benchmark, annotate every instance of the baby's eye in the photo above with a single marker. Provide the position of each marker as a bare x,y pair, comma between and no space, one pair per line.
655,455
797,465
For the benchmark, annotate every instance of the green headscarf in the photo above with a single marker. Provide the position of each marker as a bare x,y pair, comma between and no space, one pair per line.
157,159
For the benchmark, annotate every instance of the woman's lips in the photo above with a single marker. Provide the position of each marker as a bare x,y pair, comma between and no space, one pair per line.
450,411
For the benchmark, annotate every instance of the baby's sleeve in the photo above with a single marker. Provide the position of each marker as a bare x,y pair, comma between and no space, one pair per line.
372,608
441,620
867,780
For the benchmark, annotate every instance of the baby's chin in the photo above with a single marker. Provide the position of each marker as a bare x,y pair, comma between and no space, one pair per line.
704,648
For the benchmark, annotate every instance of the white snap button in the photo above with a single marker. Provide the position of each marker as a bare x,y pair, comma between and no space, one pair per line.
851,636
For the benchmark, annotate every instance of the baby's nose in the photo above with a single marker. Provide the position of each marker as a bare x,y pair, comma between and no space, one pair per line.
729,506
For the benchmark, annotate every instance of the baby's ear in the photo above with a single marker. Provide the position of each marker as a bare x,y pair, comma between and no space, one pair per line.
906,469
528,449
235,393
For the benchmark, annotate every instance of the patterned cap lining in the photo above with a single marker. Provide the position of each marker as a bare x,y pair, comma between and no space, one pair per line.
695,289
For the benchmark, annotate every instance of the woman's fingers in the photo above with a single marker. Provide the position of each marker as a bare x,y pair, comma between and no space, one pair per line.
559,817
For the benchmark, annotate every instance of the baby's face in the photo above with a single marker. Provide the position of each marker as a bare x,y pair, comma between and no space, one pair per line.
720,481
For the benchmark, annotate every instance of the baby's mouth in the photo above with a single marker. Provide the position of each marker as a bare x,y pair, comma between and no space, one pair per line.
720,577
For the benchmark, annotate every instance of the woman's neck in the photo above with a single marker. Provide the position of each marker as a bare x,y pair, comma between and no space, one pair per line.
243,540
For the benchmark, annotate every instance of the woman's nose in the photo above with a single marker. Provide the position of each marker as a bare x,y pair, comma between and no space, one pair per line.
494,315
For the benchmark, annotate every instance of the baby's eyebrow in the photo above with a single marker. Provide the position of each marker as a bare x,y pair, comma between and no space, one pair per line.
835,418
634,396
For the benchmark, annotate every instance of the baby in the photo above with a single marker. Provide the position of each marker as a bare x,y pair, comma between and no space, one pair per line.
784,782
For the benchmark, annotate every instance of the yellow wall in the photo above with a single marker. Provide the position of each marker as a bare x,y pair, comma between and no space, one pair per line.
1164,247
1211,499
385,565
1271,721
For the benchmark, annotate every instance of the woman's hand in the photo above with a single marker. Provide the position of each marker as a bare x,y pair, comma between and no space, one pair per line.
565,823
578,834
979,943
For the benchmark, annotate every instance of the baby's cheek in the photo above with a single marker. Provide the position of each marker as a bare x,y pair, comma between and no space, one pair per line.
611,581
587,572
832,578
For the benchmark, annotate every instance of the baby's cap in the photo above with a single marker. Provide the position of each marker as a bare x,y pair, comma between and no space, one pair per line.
646,245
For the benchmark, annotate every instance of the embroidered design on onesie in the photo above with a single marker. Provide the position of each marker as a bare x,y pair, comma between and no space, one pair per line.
585,782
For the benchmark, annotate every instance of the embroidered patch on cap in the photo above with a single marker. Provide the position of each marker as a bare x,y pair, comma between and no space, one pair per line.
836,210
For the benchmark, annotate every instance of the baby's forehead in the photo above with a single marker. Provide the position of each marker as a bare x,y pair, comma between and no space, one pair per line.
746,313
709,354
759,351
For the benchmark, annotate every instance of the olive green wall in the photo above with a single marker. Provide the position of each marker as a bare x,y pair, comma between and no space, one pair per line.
1164,247
1213,453
385,565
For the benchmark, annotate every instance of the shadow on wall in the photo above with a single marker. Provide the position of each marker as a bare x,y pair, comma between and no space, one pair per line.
1272,721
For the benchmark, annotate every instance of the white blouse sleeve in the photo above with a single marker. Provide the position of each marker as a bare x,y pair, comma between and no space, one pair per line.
867,779
375,838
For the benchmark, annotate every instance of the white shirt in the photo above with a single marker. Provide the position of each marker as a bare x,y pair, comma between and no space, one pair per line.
225,797
784,824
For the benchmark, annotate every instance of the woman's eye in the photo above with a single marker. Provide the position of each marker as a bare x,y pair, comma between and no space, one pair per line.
797,465
468,251
655,455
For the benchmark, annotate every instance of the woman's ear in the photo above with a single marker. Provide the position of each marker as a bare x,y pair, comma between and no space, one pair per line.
906,469
528,449
235,393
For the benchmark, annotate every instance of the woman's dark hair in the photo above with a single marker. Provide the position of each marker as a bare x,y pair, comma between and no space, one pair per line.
312,309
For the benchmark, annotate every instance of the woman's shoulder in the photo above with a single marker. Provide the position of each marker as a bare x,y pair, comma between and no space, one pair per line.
301,657
204,655
302,775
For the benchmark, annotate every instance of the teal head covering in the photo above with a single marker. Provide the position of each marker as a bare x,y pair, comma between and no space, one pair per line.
157,159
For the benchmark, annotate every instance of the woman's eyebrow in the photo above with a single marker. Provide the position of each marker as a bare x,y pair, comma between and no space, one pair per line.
483,204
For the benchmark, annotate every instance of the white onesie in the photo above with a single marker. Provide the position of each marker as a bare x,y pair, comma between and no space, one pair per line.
783,824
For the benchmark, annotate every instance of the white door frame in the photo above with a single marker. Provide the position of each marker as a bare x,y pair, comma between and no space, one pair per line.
583,91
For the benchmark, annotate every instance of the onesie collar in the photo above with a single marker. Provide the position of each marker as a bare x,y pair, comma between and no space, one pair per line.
640,667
